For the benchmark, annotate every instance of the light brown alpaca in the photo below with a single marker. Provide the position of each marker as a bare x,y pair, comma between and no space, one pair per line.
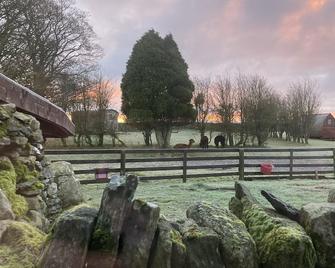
183,145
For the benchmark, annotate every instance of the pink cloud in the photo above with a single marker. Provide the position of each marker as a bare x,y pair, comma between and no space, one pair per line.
282,40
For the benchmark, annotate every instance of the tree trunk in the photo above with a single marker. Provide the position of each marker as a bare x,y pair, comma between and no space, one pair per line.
163,135
147,137
101,139
88,140
260,140
64,142
202,130
230,139
77,139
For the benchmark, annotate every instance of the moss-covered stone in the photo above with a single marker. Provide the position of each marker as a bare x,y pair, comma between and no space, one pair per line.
8,185
67,247
193,232
168,249
176,238
38,185
20,245
237,246
102,240
203,246
4,113
318,219
23,173
236,206
3,129
280,241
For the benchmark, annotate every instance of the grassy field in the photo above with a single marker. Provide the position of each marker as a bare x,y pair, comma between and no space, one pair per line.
135,139
174,197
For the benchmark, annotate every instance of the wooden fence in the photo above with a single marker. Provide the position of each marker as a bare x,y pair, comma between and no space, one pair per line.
241,162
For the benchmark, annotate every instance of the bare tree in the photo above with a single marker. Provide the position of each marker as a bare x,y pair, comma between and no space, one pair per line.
202,101
226,105
242,84
52,38
81,105
102,92
259,112
10,22
143,121
283,118
304,102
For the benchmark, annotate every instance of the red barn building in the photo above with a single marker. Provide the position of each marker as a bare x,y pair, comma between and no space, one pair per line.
324,126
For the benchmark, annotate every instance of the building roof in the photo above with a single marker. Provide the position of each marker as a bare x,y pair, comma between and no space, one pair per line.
319,120
54,121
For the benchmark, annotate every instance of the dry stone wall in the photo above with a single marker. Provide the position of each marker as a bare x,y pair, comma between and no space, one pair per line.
33,191
34,187
128,232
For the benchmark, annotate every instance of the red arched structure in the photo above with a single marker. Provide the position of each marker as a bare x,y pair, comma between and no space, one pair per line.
54,121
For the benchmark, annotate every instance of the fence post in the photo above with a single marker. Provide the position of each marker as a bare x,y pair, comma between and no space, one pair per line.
184,166
291,163
123,163
334,160
241,165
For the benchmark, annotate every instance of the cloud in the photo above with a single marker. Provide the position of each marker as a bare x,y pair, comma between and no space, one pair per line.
282,40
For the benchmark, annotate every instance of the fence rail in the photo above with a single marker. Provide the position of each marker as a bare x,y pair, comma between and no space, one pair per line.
241,162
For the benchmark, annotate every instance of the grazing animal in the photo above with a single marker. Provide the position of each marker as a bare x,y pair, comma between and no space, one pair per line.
183,145
204,142
220,139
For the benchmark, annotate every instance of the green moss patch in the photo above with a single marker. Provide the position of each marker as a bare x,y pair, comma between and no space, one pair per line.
3,129
38,185
280,242
23,173
176,238
102,239
193,233
8,185
21,245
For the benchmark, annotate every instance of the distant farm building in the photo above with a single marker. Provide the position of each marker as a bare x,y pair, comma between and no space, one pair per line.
324,126
95,122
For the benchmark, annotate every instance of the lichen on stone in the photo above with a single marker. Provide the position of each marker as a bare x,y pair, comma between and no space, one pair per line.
8,185
193,233
176,238
20,246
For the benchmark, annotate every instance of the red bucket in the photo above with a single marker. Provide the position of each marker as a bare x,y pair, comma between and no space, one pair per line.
266,168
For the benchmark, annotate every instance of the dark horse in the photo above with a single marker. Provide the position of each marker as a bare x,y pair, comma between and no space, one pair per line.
220,139
204,142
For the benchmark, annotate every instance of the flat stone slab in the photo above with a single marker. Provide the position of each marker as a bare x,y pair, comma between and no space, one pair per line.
138,233
70,238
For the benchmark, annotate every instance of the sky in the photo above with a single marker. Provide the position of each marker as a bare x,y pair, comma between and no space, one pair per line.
282,40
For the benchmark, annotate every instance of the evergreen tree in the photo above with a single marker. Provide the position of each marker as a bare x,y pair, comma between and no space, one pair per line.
156,89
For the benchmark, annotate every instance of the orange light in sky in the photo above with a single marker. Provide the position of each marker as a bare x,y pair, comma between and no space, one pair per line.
291,23
316,4
122,118
215,118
